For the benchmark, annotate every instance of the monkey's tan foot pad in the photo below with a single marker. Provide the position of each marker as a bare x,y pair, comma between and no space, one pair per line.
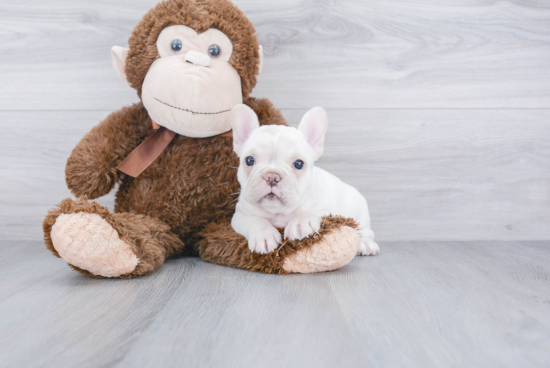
87,241
335,250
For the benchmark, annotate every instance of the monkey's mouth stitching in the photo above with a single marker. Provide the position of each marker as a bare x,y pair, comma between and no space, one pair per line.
192,112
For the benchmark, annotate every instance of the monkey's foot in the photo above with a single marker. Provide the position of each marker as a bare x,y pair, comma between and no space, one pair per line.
99,243
87,241
335,250
334,246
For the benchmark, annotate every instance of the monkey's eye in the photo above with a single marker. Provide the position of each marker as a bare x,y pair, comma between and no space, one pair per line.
250,161
298,164
177,45
214,51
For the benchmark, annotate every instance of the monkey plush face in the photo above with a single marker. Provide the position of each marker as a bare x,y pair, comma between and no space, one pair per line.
191,62
192,88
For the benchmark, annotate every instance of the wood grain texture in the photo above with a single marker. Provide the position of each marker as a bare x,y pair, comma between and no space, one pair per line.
252,320
67,320
55,55
25,264
422,304
427,174
452,296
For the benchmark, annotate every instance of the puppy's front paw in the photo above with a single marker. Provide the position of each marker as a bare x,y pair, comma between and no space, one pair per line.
265,241
302,227
367,247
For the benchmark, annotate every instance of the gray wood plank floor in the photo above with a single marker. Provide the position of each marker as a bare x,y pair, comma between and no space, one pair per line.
422,304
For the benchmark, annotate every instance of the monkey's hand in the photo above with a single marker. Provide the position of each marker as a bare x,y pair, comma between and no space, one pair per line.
91,168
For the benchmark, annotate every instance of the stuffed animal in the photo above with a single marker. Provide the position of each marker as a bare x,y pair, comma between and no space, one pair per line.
190,62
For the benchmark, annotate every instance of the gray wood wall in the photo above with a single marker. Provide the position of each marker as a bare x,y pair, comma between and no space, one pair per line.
439,111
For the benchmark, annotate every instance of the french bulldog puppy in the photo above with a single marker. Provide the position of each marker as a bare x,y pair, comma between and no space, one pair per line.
281,187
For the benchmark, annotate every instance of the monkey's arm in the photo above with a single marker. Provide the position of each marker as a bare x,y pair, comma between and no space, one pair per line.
267,113
91,168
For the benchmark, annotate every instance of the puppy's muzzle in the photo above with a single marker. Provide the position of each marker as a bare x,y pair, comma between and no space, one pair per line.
272,179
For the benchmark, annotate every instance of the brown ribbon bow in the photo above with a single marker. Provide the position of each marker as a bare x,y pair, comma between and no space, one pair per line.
146,153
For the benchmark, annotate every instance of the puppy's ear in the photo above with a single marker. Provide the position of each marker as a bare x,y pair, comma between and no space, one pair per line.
243,121
314,126
119,55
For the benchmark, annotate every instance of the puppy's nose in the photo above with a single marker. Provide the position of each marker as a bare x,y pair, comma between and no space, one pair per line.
272,179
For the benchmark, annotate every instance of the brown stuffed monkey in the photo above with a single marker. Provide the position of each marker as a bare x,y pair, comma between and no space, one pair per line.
190,62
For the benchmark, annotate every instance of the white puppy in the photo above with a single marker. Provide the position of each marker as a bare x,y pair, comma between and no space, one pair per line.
280,186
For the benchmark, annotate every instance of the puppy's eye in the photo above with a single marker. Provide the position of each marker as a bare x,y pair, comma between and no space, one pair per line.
176,45
214,51
299,164
250,161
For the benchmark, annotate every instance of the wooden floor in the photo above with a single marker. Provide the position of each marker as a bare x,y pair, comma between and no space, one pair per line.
423,304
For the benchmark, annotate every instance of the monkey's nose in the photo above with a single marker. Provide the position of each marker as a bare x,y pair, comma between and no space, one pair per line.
197,58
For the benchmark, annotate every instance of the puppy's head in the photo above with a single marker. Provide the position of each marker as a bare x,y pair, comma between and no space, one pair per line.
276,161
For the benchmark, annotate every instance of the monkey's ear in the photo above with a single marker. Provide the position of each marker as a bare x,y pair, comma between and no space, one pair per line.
119,55
243,121
314,126
261,60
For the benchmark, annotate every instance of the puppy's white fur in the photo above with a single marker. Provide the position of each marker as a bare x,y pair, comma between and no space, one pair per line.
274,193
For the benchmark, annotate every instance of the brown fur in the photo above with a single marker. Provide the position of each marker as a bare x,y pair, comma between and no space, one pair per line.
183,202
136,230
222,245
